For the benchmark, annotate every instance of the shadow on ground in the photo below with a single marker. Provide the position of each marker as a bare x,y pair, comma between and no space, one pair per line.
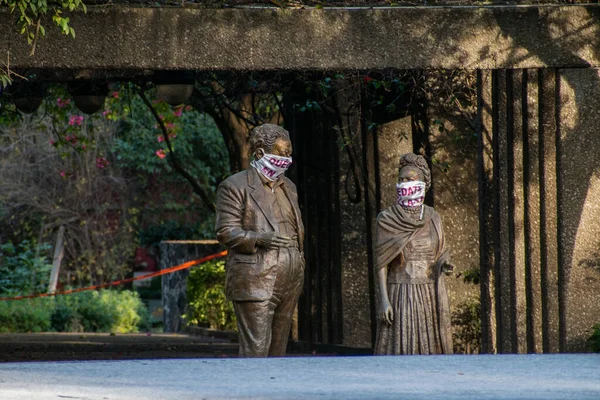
23,347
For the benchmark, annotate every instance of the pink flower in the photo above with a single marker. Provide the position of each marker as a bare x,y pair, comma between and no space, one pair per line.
160,139
101,162
188,108
52,142
172,136
62,102
178,111
63,174
161,153
75,120
71,139
115,95
105,112
84,147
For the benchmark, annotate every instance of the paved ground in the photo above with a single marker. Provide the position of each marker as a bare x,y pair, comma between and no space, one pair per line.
406,377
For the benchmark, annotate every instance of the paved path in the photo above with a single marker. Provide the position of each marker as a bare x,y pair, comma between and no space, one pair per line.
417,377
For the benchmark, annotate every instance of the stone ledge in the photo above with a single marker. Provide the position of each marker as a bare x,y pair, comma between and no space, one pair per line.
130,38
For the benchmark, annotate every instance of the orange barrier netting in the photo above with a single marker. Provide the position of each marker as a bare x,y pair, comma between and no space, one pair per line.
121,282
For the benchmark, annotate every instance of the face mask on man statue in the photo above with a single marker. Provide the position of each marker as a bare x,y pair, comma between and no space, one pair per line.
271,166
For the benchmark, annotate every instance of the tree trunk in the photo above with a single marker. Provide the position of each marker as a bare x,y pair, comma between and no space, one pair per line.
59,252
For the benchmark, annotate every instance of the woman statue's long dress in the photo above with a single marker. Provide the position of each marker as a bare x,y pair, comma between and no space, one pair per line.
410,254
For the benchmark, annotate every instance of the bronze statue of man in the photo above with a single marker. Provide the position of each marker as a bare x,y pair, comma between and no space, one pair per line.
410,258
259,221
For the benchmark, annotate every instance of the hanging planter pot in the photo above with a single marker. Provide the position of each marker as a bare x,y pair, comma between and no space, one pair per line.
28,105
88,96
174,94
174,87
27,97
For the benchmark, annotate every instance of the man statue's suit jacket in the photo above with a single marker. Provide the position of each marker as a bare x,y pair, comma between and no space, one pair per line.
242,212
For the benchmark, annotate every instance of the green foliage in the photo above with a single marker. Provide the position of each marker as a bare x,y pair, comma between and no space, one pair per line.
62,317
24,268
25,315
466,326
206,296
141,149
472,276
30,14
194,137
94,314
101,311
594,340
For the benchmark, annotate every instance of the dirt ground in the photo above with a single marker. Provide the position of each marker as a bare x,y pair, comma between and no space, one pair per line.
104,346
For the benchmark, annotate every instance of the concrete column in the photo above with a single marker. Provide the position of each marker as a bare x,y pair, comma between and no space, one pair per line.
356,292
518,121
486,210
578,163
174,285
548,209
531,217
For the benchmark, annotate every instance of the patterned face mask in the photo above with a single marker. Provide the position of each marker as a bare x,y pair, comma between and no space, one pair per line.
410,194
271,166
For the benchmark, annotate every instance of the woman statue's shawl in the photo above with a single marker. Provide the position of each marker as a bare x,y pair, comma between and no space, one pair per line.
395,228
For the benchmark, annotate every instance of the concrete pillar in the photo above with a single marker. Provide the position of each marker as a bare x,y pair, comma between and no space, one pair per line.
578,161
548,209
174,285
485,175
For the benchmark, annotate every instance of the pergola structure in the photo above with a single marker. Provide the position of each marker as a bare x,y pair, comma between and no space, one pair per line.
536,168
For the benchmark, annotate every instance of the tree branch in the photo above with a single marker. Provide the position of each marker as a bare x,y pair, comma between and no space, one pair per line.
175,163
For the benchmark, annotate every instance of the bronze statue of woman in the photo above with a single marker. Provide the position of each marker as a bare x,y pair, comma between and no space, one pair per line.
410,258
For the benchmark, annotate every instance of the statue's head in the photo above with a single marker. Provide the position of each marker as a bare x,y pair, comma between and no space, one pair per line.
413,167
270,139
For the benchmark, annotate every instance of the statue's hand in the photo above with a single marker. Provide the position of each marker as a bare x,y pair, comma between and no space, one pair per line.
388,312
273,240
447,267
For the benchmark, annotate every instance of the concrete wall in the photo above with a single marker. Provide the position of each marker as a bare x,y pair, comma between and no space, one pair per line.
537,146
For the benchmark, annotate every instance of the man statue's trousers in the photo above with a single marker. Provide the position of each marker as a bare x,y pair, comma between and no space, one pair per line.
264,326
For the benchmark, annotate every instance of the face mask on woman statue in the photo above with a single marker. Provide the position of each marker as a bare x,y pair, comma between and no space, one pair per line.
410,194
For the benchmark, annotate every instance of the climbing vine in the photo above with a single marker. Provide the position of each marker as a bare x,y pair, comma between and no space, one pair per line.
30,15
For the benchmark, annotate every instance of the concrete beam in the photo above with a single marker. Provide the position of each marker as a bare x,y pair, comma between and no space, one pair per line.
127,38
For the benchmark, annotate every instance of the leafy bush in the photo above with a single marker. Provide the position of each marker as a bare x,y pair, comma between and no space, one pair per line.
94,314
102,311
22,269
25,315
594,340
466,326
62,317
207,304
